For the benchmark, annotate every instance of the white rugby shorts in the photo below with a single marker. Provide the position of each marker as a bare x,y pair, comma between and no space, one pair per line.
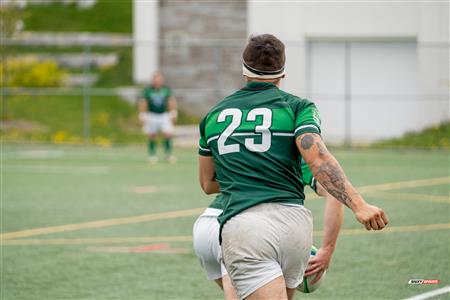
156,123
206,243
265,242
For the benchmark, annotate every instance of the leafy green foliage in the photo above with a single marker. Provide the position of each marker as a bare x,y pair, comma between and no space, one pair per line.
30,72
105,16
112,120
433,137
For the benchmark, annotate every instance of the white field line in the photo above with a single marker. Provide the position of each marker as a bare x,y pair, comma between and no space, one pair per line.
431,294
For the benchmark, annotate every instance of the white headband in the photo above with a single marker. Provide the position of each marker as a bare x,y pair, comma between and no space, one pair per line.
255,73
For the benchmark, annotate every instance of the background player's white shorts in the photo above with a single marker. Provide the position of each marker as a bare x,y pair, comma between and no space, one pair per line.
264,242
156,123
206,243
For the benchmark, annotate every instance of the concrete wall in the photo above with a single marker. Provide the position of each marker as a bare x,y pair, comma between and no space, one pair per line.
200,49
372,27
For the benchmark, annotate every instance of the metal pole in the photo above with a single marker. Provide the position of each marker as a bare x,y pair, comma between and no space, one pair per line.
308,70
86,96
218,83
4,79
348,96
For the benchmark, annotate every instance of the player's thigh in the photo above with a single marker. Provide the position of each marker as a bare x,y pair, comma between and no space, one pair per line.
250,251
155,123
276,289
206,245
167,125
295,245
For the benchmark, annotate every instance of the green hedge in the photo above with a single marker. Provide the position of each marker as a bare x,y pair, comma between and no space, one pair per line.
105,16
434,137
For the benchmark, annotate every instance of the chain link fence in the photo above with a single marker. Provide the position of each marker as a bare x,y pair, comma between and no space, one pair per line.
79,89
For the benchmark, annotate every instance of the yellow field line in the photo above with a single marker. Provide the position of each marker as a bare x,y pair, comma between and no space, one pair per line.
192,212
404,184
188,238
368,189
102,223
113,240
413,197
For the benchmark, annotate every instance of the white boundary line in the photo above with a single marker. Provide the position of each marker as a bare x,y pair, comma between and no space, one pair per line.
431,294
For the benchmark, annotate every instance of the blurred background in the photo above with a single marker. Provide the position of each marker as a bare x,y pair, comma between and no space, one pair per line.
72,70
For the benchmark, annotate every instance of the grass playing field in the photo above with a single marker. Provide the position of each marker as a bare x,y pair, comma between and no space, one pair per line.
99,223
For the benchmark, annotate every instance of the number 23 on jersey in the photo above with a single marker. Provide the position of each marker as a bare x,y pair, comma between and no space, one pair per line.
236,120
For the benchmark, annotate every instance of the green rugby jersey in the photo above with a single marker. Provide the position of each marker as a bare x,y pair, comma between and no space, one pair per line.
157,99
251,136
307,179
307,176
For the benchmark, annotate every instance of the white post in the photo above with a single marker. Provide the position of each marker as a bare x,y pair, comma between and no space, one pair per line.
145,34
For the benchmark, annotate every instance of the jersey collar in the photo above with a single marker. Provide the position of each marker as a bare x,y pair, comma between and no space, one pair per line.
258,85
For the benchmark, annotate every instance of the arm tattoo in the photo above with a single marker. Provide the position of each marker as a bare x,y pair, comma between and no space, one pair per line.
322,149
333,179
307,141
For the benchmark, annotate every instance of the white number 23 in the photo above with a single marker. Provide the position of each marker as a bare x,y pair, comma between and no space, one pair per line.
236,118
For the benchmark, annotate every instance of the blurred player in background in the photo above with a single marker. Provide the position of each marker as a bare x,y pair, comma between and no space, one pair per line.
207,247
158,113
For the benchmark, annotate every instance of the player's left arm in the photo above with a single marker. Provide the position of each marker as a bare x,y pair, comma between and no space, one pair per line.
207,174
333,218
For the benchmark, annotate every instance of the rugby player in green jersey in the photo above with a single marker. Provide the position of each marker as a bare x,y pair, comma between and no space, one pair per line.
251,144
207,247
158,112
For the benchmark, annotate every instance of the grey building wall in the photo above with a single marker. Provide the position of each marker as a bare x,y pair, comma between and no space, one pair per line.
200,50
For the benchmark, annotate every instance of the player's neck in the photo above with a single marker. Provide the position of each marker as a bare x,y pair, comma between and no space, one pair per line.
275,82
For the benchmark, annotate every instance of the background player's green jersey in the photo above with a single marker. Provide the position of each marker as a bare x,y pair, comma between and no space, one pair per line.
307,178
251,136
157,99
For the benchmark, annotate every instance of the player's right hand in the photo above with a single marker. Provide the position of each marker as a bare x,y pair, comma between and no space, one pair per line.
372,217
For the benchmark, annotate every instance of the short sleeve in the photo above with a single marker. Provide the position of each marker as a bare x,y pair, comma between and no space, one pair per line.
307,119
203,148
169,92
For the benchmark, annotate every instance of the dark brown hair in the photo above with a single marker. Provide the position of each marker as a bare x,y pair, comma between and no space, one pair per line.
264,52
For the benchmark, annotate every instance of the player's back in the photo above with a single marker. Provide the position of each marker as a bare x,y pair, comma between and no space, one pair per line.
251,136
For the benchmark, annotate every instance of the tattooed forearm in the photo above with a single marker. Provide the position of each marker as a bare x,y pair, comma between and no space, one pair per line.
307,141
326,169
333,180
322,149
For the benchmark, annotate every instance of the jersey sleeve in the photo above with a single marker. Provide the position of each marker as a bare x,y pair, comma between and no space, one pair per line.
307,119
203,148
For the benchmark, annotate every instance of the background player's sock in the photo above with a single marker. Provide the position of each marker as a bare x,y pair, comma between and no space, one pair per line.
168,146
151,147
